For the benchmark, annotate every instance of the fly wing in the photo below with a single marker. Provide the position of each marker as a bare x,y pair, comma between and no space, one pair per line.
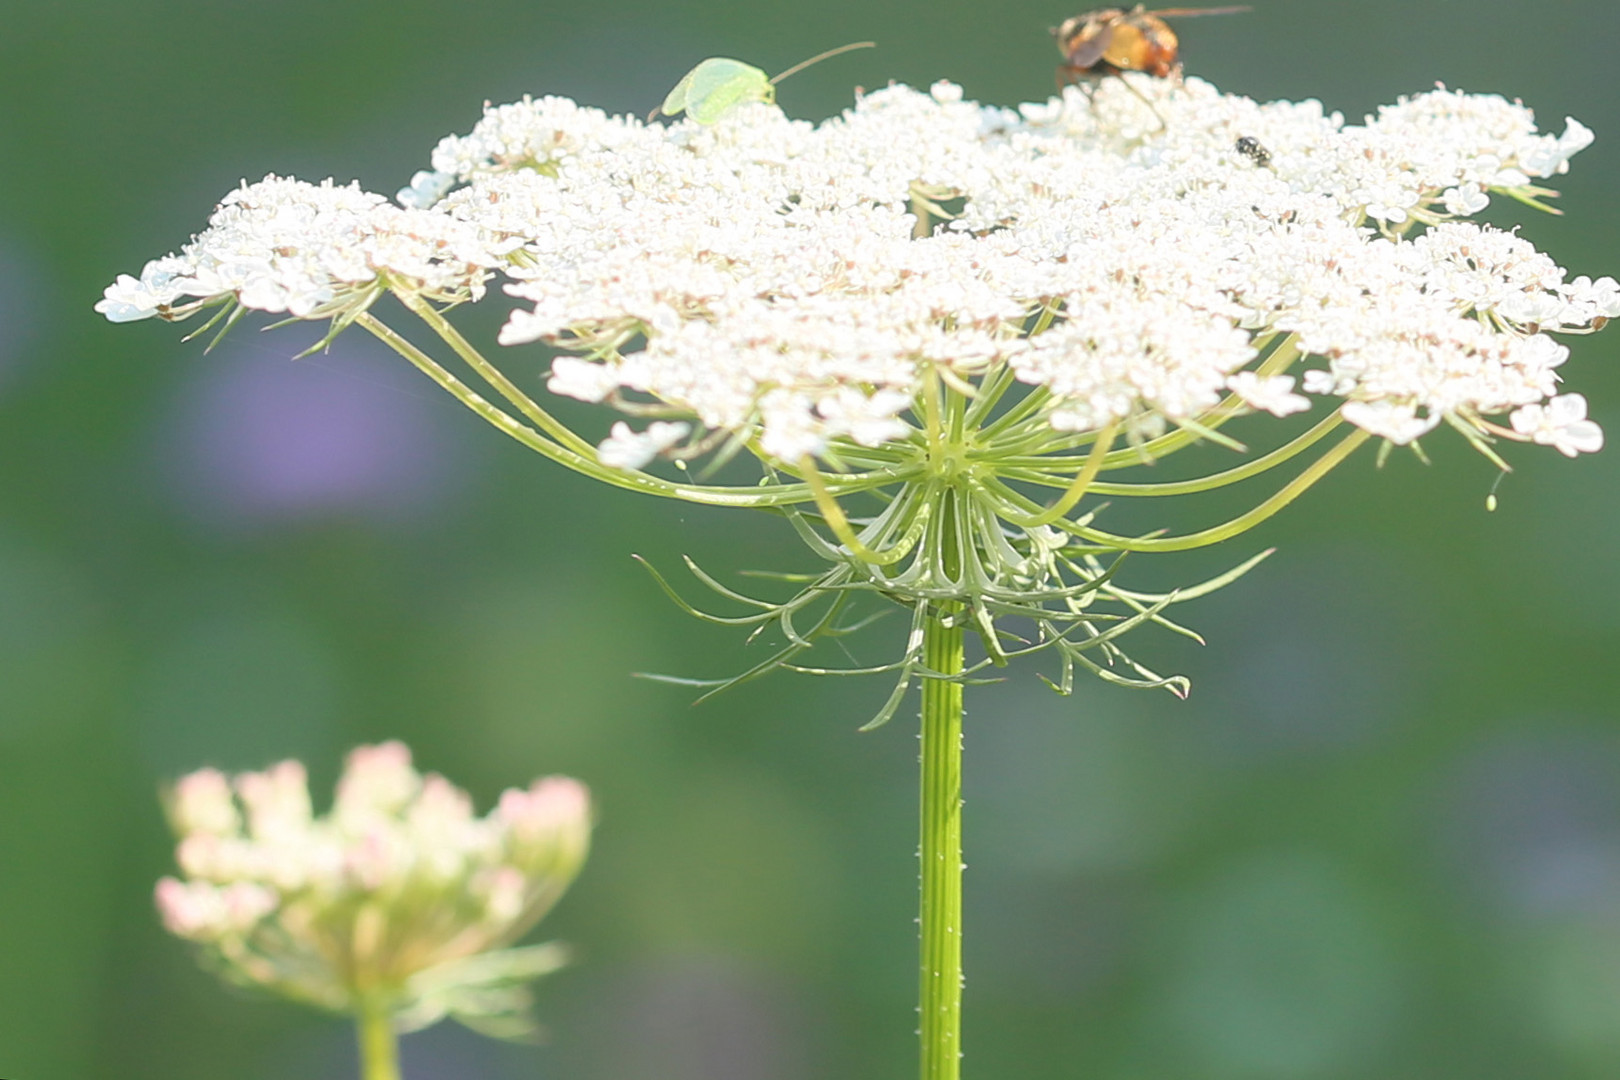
1089,50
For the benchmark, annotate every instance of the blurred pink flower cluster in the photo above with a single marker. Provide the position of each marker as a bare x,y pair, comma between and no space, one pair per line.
399,898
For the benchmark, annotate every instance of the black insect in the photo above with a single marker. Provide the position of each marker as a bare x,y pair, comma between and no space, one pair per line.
1250,147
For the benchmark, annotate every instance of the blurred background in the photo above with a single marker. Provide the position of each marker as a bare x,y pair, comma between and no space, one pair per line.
1381,839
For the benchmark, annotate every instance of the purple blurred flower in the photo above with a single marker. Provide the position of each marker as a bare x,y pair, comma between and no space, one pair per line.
20,309
259,438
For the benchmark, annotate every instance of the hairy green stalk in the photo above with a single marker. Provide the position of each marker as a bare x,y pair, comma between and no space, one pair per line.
939,995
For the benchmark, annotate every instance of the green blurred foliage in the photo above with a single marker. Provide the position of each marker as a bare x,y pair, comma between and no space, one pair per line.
1383,838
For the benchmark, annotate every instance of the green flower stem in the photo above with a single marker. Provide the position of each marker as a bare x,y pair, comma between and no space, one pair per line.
923,228
1027,406
940,971
1014,507
379,1046
1234,475
776,495
1243,522
1082,480
491,374
838,522
990,391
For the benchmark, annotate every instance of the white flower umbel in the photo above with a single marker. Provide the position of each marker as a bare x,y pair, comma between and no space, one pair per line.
944,329
930,296
398,907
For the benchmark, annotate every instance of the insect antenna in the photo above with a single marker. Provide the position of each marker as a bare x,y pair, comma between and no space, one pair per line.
819,57
1183,13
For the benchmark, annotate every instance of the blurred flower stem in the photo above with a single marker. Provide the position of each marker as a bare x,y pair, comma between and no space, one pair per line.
939,991
379,1043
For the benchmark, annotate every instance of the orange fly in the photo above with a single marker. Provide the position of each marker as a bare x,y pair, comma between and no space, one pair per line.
1113,40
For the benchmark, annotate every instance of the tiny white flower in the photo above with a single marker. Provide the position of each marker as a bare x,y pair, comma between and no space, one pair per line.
1273,394
1594,299
1532,308
426,188
1549,155
1318,381
1396,421
582,379
245,903
1542,352
1466,200
1562,424
869,420
129,300
1541,157
627,449
1576,137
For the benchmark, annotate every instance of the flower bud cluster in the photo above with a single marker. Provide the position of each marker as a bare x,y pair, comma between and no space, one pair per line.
399,894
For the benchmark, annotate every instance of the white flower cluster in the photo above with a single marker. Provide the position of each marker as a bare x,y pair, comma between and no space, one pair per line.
400,890
307,250
764,272
1131,253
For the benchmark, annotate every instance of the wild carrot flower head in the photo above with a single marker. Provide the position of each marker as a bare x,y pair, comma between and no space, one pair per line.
398,895
958,307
